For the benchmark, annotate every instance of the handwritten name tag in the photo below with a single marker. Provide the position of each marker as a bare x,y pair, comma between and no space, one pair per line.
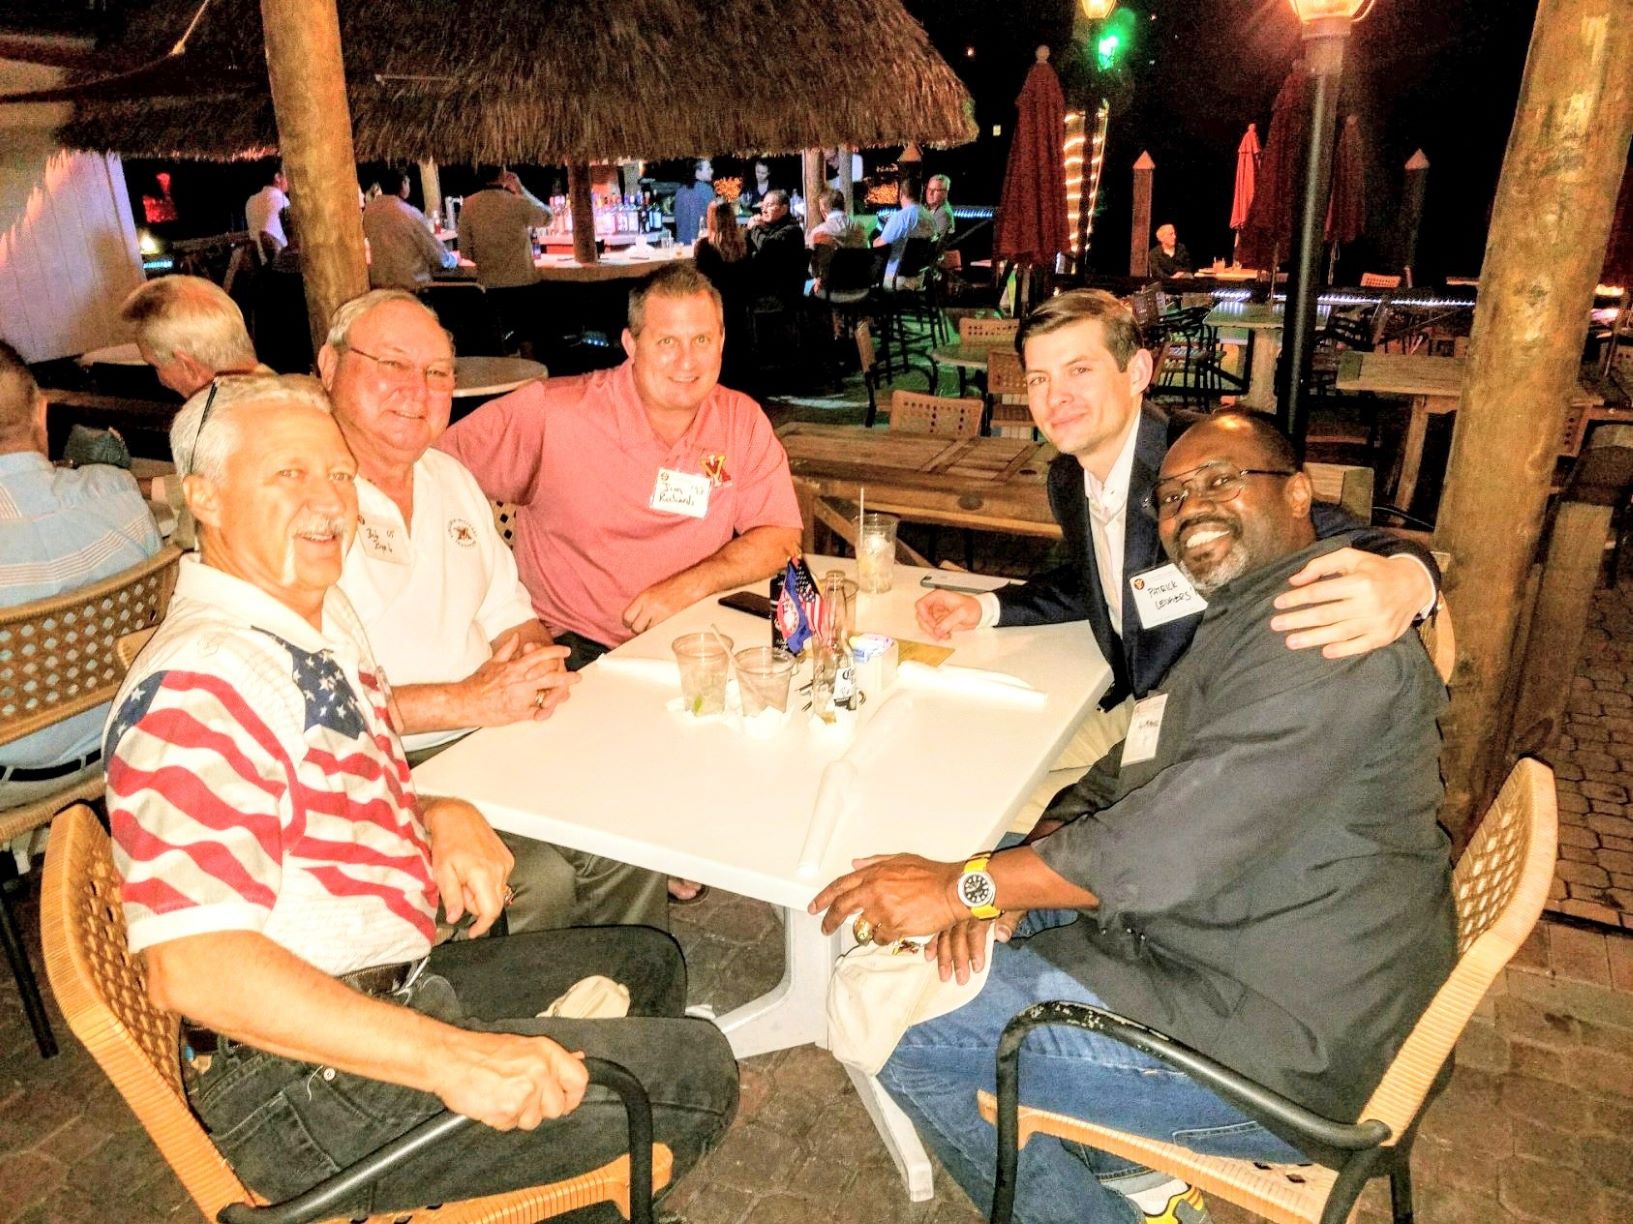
1144,729
1164,594
681,493
384,542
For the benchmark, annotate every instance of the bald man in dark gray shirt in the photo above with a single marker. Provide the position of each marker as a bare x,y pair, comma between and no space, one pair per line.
1256,871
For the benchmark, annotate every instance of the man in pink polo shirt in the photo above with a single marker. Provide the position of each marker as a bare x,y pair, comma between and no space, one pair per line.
641,489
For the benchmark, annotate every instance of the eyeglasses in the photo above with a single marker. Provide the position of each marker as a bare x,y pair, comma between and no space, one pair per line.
203,420
1218,482
437,377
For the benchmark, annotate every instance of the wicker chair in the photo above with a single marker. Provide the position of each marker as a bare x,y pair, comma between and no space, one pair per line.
504,521
1499,885
867,360
911,412
1007,415
103,994
57,659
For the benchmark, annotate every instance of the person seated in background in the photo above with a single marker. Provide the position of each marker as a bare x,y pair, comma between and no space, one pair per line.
496,233
692,201
911,220
437,593
403,252
936,203
758,187
836,226
61,529
188,330
271,848
777,246
640,490
1291,924
1169,257
264,213
722,255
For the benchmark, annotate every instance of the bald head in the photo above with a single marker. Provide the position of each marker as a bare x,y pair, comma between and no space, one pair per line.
1231,499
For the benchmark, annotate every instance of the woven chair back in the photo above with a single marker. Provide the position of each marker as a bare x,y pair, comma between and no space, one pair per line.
1499,886
504,521
913,412
1005,376
58,656
987,331
866,355
1379,280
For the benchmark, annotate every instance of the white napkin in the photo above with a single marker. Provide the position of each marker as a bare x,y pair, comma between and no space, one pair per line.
970,682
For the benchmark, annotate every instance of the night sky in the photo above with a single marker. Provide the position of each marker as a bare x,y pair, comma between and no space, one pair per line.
1441,75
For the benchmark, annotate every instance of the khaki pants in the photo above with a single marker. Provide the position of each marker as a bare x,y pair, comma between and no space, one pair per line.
1095,736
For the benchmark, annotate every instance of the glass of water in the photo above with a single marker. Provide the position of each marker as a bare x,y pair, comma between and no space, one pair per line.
876,552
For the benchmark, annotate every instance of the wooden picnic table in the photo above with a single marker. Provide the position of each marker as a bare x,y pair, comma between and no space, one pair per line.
1434,385
992,484
965,358
1263,324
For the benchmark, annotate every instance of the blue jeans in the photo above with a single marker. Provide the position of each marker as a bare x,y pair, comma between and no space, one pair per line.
938,1066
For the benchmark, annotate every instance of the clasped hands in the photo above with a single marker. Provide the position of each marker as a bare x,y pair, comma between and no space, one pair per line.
901,895
519,681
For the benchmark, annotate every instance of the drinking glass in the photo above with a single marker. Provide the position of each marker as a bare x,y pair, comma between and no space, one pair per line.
764,676
705,661
876,552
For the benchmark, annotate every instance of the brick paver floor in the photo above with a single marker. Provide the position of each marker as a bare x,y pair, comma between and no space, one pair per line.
1537,1124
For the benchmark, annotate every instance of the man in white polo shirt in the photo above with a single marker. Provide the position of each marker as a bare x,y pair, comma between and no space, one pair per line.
437,590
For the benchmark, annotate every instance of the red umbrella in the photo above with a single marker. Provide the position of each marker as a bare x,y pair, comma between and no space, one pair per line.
1247,176
1347,206
1267,236
1031,222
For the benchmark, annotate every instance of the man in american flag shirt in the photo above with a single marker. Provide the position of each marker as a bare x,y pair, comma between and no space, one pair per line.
281,879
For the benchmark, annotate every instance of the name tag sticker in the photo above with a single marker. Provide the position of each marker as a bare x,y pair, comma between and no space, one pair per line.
681,493
1164,594
1144,729
384,542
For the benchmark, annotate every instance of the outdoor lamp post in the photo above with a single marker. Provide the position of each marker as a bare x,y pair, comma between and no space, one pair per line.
1098,10
1326,29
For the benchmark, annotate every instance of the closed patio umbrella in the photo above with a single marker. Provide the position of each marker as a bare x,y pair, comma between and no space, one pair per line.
1247,177
1267,236
1031,223
1347,205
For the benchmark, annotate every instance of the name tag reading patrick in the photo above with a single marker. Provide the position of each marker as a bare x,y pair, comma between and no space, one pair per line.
681,493
1164,594
383,542
1144,729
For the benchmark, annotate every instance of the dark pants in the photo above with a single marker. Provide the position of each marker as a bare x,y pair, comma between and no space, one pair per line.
584,650
286,1125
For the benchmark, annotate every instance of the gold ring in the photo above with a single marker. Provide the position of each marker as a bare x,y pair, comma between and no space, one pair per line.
862,929
510,895
538,699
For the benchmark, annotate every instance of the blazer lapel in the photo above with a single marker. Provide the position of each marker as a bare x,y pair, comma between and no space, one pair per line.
1141,547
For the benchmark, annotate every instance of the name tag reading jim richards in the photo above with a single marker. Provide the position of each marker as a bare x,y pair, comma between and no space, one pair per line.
1164,594
1144,729
681,493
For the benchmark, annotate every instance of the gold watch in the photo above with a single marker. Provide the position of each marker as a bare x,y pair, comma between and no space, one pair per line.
976,889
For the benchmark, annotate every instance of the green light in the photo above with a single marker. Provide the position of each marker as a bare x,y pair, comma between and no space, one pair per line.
1108,49
1115,41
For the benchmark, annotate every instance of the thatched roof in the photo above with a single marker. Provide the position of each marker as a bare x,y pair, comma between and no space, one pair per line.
550,80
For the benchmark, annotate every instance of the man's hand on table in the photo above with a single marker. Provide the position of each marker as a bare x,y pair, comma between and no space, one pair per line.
660,601
507,1081
943,613
468,861
898,894
520,680
961,949
1349,602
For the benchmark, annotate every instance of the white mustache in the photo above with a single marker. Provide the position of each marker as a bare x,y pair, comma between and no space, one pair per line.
324,524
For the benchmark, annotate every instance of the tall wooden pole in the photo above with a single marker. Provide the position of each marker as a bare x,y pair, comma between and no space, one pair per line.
1139,243
813,182
847,185
1549,227
582,208
308,80
431,186
1411,216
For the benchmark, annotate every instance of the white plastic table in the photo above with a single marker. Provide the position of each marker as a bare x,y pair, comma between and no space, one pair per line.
615,772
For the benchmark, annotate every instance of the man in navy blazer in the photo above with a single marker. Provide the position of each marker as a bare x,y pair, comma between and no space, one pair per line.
1086,376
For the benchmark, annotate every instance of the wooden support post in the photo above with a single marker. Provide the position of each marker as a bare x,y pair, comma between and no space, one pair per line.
1139,247
582,209
813,183
308,81
431,186
1411,217
1601,482
1549,227
847,185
